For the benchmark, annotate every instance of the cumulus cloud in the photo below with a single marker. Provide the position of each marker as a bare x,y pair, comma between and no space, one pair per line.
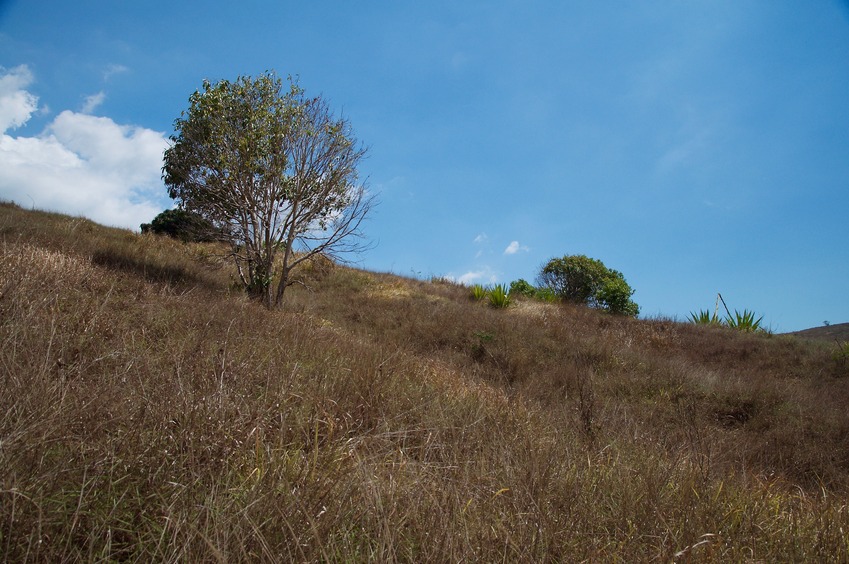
471,277
483,275
80,164
514,247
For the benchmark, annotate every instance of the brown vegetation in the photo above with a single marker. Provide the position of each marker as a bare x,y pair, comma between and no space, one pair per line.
150,413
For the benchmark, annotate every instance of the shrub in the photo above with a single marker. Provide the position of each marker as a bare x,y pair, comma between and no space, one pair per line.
546,295
583,280
180,224
522,287
614,295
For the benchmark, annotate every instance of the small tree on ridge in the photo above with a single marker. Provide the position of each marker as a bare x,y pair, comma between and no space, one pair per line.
274,171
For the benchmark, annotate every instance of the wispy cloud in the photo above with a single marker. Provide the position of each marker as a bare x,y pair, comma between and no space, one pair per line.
481,238
92,102
112,70
514,247
80,164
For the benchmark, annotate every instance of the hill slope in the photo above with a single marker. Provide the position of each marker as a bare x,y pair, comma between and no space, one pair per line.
836,332
152,413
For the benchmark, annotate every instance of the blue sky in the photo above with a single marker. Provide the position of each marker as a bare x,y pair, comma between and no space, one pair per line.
698,147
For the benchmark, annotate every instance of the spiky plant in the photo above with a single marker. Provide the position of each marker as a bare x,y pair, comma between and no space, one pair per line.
478,292
744,321
499,296
704,317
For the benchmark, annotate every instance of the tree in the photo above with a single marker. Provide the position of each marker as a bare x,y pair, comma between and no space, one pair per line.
181,224
583,280
274,171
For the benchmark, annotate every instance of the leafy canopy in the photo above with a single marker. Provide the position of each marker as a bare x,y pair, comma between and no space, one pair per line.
583,280
271,169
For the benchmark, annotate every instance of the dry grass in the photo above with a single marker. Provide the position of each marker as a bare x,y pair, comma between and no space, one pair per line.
149,413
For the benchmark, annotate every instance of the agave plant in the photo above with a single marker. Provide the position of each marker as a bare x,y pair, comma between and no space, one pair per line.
499,296
744,321
704,317
478,292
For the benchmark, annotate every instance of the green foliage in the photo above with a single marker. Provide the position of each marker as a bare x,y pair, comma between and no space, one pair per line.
745,321
742,321
614,295
499,296
484,336
583,280
522,287
546,295
478,292
272,169
184,225
705,317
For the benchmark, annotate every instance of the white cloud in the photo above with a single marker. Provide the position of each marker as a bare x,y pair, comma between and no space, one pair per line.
16,104
471,277
485,275
481,238
92,102
514,247
80,164
113,70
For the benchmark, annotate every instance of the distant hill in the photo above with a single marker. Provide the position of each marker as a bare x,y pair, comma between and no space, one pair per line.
838,332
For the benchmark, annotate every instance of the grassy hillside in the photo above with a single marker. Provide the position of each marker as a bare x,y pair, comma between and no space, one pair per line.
838,332
148,412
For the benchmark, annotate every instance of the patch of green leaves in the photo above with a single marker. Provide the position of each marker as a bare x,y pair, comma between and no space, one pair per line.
522,287
499,296
745,321
478,292
704,317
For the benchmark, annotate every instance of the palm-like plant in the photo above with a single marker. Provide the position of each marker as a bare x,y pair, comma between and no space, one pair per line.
478,292
704,317
499,296
744,321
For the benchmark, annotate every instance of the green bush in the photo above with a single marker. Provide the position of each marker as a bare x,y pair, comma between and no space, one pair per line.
546,295
583,280
183,225
614,295
522,287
